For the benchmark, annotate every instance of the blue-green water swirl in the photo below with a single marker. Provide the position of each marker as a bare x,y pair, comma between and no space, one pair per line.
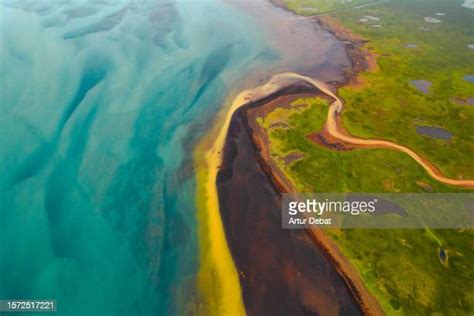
101,103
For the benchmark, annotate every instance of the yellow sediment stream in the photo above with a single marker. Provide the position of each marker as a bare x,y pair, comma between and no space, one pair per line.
218,279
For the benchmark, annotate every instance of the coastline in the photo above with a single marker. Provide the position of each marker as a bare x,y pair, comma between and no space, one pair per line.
362,60
216,245
217,278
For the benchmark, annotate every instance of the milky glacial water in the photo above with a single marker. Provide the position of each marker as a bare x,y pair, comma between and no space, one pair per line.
101,105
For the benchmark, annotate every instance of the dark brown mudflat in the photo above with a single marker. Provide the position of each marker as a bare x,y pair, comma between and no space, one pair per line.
281,271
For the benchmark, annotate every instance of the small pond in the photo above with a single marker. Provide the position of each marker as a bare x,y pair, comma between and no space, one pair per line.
469,78
434,132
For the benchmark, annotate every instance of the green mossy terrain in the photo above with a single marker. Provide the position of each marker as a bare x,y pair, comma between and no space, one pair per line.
400,267
389,106
339,171
312,7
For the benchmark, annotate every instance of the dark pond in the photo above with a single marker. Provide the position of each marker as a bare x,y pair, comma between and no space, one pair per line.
434,132
443,256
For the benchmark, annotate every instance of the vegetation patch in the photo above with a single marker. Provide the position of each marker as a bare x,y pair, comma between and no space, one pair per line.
424,52
402,268
312,7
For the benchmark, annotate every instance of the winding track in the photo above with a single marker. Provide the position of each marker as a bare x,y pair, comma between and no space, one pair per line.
336,131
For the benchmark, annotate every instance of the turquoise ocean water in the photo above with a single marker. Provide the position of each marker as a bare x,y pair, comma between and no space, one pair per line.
101,104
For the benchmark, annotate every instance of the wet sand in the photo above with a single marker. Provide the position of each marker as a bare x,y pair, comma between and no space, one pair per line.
303,44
